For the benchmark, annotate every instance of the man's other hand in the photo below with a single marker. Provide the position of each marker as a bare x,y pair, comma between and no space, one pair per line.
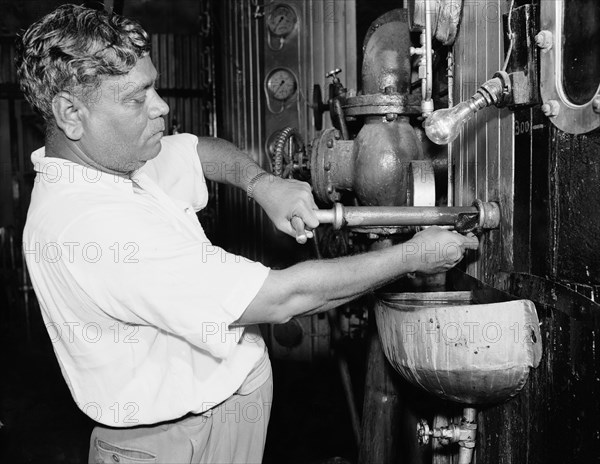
436,250
289,204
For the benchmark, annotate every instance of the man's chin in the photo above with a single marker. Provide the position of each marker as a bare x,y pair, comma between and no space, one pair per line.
152,151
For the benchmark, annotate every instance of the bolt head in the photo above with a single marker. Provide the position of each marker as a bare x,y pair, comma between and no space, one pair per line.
330,143
551,108
544,40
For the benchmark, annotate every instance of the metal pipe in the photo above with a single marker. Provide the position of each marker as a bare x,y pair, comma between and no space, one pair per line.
344,370
365,216
450,200
468,429
427,103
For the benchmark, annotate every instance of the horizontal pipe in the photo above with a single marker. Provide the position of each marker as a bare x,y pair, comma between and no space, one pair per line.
365,216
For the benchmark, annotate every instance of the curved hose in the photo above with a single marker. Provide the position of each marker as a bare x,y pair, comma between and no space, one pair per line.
278,146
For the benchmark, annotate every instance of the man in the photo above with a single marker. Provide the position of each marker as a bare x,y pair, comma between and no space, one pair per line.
152,325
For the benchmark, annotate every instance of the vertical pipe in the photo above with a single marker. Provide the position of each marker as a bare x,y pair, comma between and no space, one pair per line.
450,71
466,447
344,371
427,103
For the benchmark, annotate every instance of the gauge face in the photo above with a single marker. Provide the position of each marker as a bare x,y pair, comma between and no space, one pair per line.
281,84
281,20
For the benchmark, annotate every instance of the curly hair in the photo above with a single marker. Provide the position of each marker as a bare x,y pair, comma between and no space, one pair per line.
72,48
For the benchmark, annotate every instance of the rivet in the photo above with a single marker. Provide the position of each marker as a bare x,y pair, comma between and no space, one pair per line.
330,143
551,108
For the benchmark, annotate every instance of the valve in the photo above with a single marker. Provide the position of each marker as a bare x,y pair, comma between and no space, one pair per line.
464,434
333,74
336,91
423,432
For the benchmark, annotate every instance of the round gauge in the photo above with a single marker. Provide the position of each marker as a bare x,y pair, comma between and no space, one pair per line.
282,20
281,84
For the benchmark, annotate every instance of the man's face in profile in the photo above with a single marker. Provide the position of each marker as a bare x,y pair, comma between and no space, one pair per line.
123,119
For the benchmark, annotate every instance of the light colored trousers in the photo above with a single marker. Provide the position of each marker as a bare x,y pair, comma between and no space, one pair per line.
234,432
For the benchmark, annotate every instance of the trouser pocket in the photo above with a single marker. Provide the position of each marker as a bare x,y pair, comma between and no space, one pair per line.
106,453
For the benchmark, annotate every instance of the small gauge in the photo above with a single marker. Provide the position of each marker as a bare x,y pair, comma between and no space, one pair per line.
282,20
281,84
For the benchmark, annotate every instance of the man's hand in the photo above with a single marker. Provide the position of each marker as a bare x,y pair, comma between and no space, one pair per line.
435,250
289,204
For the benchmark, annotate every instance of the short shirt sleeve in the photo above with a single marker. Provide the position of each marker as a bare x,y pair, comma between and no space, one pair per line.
178,172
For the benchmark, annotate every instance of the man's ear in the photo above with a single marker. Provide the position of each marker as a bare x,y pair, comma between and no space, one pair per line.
67,109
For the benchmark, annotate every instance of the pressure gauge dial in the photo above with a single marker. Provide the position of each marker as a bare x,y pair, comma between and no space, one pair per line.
282,20
281,84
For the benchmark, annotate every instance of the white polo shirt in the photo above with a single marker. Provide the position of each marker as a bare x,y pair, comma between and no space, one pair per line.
136,299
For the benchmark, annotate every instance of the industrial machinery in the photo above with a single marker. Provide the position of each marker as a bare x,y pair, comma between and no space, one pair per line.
376,174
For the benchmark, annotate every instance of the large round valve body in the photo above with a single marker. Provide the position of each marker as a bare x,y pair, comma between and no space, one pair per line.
383,152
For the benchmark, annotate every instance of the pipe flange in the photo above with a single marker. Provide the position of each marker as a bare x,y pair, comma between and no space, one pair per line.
338,216
321,163
380,103
489,214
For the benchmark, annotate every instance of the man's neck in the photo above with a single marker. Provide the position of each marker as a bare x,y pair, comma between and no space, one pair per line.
57,145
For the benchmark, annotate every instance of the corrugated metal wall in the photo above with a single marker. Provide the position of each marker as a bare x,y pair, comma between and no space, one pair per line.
326,39
483,154
240,116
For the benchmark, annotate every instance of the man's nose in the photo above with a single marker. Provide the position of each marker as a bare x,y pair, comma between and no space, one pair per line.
159,107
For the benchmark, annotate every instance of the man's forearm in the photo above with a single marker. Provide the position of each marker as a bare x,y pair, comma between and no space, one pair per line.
316,286
223,162
281,199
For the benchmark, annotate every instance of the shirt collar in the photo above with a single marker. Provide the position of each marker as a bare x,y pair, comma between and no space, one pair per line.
59,170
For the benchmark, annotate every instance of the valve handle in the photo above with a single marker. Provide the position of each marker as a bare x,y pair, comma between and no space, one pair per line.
333,73
318,107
